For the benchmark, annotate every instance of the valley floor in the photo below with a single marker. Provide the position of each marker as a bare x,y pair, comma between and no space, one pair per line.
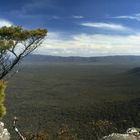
84,101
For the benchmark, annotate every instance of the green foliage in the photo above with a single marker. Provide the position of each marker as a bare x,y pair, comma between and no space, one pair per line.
10,36
17,33
2,97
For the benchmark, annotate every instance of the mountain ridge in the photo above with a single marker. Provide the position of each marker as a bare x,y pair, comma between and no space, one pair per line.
77,59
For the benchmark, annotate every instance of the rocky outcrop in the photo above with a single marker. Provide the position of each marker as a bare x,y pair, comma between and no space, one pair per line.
131,134
4,134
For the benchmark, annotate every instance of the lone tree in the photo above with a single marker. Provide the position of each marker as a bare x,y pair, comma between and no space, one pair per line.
15,44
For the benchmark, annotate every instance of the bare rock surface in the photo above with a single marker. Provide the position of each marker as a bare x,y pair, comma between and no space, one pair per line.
131,134
4,134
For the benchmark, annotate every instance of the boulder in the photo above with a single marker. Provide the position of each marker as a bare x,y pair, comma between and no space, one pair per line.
131,134
4,134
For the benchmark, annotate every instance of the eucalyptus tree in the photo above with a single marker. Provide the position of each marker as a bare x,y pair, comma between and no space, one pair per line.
15,44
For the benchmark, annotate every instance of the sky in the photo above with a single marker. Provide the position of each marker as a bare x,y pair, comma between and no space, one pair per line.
79,27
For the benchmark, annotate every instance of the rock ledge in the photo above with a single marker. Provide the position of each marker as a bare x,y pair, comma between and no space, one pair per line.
4,134
131,134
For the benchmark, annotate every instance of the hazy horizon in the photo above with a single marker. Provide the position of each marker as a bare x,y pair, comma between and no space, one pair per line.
133,55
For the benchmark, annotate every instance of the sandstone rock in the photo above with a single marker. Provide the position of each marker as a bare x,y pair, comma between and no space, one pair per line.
131,134
4,134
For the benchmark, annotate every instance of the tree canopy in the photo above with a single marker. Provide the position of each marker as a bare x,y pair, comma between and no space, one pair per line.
15,44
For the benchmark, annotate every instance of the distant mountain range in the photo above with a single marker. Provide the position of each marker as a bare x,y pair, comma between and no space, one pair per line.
103,59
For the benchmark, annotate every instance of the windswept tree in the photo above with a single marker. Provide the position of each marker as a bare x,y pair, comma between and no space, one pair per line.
15,44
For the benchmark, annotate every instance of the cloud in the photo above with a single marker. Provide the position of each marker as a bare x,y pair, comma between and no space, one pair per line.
55,17
90,45
105,26
77,17
4,22
131,17
36,5
65,17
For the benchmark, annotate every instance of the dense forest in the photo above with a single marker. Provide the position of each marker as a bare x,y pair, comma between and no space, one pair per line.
73,101
92,122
